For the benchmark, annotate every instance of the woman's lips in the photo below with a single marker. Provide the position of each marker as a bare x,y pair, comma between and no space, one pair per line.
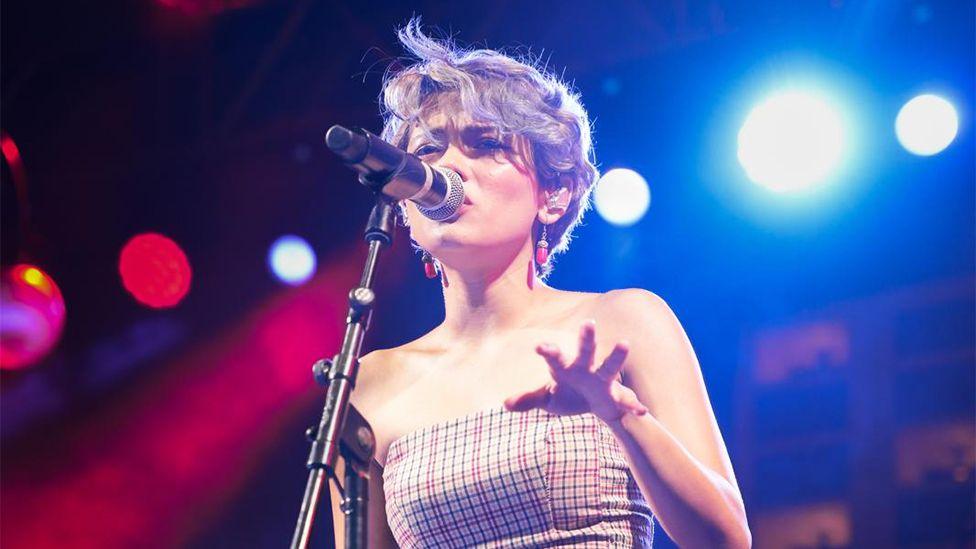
465,206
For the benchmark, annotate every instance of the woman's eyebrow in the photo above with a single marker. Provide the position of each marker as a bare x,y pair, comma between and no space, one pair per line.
439,134
476,131
435,133
422,137
479,128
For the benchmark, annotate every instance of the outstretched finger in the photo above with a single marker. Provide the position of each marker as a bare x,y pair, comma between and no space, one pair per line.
614,362
530,400
587,348
553,356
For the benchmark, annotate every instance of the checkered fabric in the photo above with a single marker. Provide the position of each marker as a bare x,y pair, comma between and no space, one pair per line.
514,479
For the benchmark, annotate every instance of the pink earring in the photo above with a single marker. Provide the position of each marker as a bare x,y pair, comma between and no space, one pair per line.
430,270
542,248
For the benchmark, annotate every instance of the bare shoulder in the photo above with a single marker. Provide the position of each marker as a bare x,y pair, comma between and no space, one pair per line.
574,305
371,368
627,309
639,316
383,373
378,374
630,305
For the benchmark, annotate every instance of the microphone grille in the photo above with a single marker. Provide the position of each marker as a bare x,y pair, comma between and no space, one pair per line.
453,200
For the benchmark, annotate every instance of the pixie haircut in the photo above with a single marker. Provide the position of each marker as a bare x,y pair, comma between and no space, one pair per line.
514,95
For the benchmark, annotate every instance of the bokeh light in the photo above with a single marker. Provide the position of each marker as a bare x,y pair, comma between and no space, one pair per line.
791,141
926,125
9,149
622,197
33,316
155,270
291,260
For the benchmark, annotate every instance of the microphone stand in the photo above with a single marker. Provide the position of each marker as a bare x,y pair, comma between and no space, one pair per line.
342,430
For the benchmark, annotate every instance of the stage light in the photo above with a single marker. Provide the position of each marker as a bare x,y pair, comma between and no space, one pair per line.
10,150
791,141
155,270
292,260
33,316
200,8
926,125
622,197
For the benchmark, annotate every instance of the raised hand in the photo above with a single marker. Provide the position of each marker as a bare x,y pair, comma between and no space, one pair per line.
582,386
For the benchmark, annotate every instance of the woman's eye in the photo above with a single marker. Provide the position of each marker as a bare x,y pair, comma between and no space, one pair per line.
424,150
490,143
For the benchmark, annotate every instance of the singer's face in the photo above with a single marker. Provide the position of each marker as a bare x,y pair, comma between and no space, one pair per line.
501,191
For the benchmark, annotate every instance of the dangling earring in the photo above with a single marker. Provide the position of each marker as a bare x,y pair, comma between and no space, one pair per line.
542,248
430,270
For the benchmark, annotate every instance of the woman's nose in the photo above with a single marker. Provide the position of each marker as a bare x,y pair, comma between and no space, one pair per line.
454,159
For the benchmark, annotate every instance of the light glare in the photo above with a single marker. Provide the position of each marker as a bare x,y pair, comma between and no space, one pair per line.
292,260
926,125
791,141
622,197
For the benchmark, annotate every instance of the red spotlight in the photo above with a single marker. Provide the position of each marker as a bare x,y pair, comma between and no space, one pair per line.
33,316
155,270
10,150
205,7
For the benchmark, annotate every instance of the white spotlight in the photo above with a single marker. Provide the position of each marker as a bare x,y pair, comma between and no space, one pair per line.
792,141
622,197
926,125
291,260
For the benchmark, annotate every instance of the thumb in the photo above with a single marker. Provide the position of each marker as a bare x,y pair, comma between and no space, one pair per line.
527,401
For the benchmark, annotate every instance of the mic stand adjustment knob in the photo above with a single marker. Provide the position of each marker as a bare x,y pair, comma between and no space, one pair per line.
321,371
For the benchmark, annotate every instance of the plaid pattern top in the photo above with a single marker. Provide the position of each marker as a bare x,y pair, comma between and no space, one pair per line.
514,479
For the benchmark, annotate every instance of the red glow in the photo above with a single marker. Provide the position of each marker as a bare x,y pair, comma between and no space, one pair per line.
155,270
205,7
153,467
10,150
33,316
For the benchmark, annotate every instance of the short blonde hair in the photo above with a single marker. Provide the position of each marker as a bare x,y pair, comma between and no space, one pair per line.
512,94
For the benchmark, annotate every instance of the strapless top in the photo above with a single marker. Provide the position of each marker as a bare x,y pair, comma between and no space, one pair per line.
514,479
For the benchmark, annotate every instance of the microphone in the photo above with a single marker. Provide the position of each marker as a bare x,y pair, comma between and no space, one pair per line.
437,192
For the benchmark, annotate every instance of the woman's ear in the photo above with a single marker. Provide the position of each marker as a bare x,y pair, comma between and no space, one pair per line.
555,202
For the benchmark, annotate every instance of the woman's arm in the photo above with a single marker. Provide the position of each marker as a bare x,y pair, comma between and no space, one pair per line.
676,451
649,390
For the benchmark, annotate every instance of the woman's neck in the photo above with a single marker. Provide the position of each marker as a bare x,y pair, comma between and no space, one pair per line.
485,299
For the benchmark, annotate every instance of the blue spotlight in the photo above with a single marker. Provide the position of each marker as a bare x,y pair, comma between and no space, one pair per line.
622,197
791,141
926,125
292,260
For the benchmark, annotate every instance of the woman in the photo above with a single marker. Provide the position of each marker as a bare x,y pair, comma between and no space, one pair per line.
530,416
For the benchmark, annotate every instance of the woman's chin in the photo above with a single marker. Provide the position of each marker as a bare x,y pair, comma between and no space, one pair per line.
450,236
453,245
472,252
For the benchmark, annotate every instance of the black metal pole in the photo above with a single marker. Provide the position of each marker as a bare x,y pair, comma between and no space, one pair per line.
355,507
341,379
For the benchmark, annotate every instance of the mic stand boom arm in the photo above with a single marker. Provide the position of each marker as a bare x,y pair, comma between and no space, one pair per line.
357,442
